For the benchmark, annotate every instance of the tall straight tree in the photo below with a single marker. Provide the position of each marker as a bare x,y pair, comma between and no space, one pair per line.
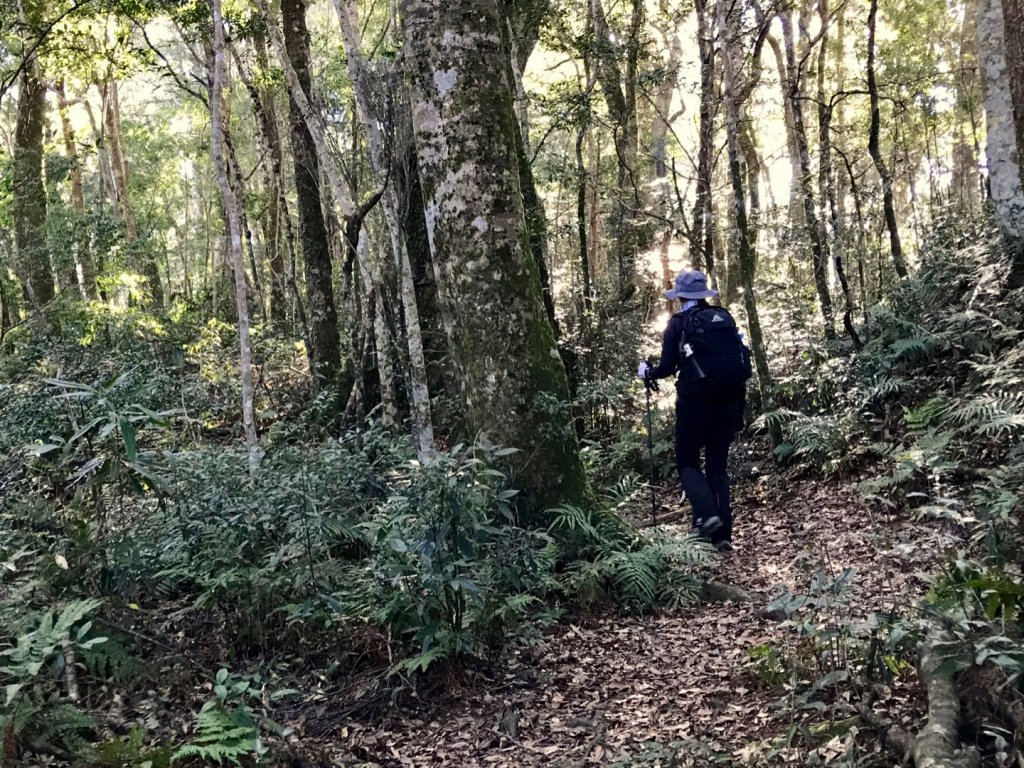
233,219
702,248
83,254
619,85
380,162
1013,26
731,90
874,148
28,193
513,380
1004,171
819,248
324,340
113,138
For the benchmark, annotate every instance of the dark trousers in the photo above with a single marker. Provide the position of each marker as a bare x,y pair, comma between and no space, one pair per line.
708,424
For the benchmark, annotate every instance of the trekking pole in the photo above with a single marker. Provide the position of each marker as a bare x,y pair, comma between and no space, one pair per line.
650,454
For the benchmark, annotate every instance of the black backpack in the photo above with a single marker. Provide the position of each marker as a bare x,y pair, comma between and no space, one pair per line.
712,357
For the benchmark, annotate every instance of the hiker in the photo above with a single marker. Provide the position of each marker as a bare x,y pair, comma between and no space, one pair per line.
704,346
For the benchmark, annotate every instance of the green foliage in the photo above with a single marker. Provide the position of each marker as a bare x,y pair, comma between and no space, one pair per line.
450,572
131,752
832,647
103,448
824,441
613,564
35,650
223,735
48,727
228,727
968,590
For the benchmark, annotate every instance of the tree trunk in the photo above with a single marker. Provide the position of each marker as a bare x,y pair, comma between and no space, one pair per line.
619,89
83,254
581,224
665,93
895,247
114,139
1004,127
746,254
966,182
793,153
515,386
819,251
28,195
269,141
233,220
324,340
1013,26
702,248
420,393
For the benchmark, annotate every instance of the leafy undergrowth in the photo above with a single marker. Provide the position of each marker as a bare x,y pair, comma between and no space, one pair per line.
714,684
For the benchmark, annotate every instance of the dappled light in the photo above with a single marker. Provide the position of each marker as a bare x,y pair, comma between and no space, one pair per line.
548,383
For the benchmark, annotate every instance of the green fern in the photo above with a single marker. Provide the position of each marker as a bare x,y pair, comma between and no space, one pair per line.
223,735
634,575
111,661
57,728
991,417
885,387
648,575
131,751
918,348
930,413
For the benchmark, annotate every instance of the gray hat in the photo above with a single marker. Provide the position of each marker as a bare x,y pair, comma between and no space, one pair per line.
691,285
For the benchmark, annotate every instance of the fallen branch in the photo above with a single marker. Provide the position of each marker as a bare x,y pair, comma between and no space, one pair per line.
671,517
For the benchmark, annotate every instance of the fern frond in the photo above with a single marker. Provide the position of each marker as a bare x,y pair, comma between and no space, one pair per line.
223,735
991,416
633,575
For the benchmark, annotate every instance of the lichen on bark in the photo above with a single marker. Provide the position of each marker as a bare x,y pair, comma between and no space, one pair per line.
514,383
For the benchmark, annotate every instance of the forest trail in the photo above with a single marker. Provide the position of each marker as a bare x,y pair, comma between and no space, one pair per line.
620,690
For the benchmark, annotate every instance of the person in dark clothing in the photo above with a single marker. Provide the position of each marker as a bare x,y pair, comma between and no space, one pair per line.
702,345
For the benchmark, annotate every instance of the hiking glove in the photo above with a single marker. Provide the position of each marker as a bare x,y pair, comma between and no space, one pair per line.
644,372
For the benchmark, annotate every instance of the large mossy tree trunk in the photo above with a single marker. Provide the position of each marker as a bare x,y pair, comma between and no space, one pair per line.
1013,27
28,194
324,341
513,381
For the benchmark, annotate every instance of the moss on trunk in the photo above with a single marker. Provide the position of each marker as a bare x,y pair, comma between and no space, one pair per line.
514,384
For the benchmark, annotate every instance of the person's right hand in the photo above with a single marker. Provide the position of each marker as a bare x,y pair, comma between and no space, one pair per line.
644,372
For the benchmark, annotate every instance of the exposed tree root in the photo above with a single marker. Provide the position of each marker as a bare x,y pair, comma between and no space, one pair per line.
891,734
716,592
938,743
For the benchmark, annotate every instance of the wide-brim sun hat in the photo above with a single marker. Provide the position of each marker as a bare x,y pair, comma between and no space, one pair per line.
691,285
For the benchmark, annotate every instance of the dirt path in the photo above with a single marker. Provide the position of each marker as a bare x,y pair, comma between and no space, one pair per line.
615,689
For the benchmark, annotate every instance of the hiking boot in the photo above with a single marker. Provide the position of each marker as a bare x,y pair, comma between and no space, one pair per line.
709,526
724,547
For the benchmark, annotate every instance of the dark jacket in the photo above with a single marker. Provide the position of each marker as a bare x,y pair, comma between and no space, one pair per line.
673,360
